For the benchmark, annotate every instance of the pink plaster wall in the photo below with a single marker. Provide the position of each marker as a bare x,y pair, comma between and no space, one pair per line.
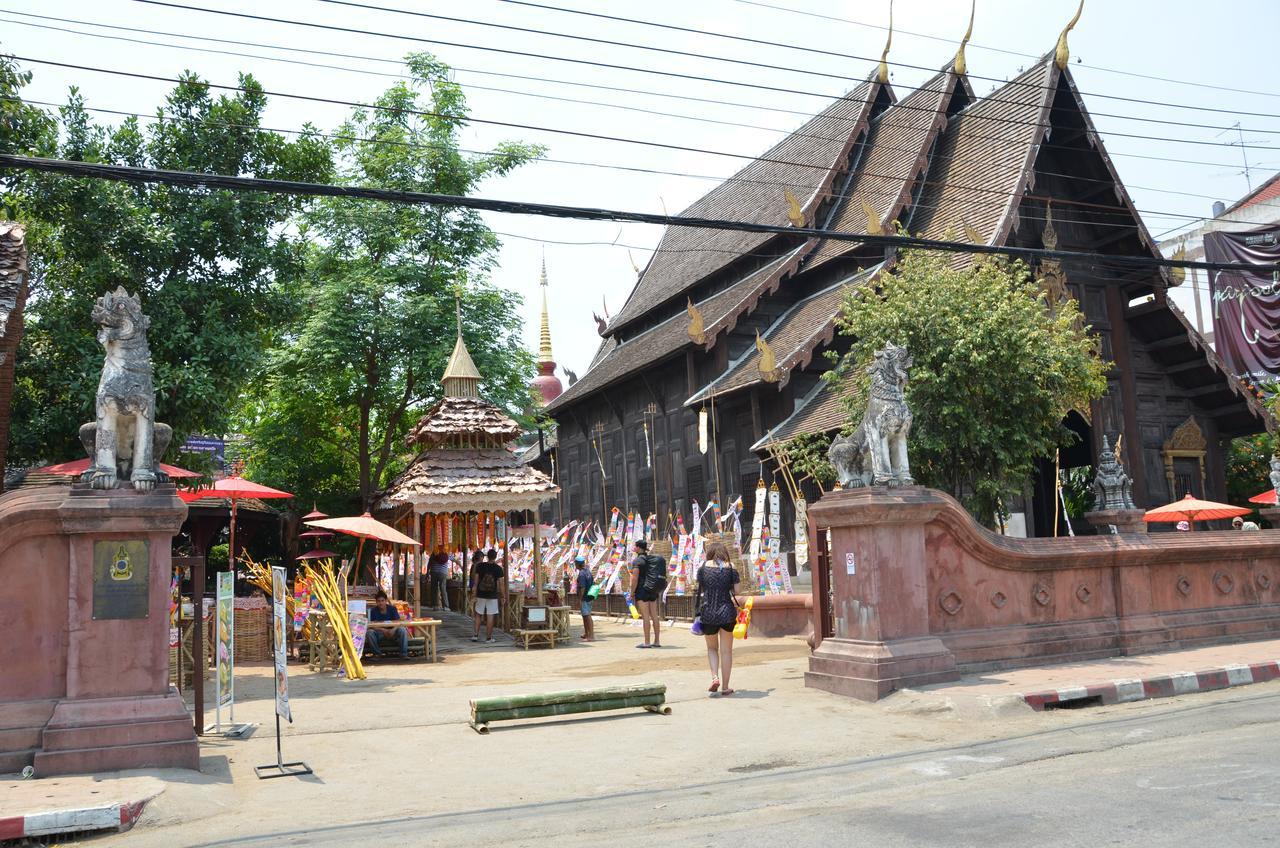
925,569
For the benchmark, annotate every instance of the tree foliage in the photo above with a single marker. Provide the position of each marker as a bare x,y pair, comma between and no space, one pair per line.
995,370
374,323
212,267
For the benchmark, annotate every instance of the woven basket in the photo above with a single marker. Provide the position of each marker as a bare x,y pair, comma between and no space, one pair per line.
253,635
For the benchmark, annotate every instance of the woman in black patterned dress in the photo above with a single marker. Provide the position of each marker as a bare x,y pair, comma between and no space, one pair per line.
718,609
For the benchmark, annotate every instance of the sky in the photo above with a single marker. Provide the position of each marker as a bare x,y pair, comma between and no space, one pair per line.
1137,59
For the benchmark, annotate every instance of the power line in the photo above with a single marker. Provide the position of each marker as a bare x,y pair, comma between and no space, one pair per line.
788,10
191,179
752,158
534,79
837,54
590,63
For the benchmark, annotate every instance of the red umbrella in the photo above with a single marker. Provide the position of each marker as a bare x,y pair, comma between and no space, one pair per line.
235,488
1193,509
363,527
318,553
76,467
317,534
1267,497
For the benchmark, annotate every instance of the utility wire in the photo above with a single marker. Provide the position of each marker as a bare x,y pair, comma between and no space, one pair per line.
752,158
614,89
830,53
192,179
693,77
788,10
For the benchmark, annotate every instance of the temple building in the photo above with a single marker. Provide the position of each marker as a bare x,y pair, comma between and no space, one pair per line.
735,324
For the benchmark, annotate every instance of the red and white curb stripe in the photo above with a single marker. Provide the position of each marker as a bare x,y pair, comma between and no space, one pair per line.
118,817
1162,686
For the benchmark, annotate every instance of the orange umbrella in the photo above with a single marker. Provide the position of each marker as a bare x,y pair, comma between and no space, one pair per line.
363,527
234,488
1193,509
1267,497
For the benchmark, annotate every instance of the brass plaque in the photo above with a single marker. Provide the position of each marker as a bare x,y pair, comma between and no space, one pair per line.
121,570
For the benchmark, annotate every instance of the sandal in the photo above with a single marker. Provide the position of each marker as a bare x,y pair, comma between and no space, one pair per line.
715,684
726,693
642,646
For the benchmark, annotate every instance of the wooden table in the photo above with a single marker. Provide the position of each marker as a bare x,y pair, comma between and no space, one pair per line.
560,621
424,627
323,651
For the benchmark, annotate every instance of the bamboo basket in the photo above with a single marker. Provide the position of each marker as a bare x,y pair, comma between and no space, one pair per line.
253,634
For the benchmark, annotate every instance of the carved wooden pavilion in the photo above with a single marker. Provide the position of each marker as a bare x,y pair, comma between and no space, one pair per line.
737,323
466,475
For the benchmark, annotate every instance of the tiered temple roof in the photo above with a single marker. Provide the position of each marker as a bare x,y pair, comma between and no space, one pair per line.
942,163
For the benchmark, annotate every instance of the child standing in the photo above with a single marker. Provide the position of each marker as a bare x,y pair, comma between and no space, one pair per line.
585,582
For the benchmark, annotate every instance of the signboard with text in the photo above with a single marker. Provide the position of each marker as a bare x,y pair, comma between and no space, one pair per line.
1246,304
280,625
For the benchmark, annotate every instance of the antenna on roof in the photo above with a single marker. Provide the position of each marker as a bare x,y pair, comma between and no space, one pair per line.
960,65
882,75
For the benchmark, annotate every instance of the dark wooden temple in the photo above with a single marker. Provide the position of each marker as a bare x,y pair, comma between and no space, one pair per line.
1022,166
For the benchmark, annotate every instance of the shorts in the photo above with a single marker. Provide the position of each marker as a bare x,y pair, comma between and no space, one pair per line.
486,606
586,608
712,629
642,595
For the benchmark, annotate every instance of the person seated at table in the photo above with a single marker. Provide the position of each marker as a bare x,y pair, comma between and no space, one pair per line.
383,611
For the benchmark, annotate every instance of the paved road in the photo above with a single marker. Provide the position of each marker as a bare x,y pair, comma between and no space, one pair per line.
1205,773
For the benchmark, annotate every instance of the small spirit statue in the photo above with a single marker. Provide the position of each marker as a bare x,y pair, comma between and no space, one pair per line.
876,453
124,442
1112,488
1275,472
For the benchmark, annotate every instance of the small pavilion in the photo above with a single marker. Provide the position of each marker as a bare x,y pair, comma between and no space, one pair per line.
466,478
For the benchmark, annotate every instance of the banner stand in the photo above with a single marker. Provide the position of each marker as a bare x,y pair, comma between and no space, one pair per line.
224,650
279,653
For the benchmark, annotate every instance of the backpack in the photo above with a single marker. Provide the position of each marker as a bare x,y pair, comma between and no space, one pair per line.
655,575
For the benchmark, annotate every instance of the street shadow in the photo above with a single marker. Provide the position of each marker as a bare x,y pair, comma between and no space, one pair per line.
554,721
746,694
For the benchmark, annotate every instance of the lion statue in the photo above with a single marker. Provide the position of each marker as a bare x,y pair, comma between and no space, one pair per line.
876,453
125,442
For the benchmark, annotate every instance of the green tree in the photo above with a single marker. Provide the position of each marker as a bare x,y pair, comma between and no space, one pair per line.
212,267
996,370
376,320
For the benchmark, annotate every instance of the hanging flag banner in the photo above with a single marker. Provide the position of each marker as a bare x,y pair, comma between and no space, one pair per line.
1246,304
802,532
702,430
280,625
757,523
225,639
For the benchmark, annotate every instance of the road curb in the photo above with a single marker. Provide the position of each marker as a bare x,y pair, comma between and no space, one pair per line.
118,817
1160,686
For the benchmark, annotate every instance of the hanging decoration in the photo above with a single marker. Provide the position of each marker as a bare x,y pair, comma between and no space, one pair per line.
702,431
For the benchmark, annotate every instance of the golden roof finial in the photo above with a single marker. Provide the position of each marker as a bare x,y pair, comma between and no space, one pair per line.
961,66
697,333
874,227
768,362
544,335
795,214
1177,275
882,75
1061,54
1050,234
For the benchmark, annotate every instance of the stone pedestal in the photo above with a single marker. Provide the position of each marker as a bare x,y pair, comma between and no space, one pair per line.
1272,515
1124,520
87,676
880,612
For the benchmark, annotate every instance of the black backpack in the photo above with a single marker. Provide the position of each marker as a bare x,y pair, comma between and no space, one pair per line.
655,575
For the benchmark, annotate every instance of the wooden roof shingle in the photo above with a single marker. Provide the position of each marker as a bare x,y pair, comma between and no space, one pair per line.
805,163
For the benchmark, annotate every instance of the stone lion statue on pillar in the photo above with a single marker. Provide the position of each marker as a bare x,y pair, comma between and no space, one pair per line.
876,453
124,442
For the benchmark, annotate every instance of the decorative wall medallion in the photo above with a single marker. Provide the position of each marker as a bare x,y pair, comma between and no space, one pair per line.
1184,586
999,599
1223,583
951,603
1041,595
1263,581
1083,594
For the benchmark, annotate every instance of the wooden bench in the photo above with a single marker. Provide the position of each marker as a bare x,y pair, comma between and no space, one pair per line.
650,697
538,637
